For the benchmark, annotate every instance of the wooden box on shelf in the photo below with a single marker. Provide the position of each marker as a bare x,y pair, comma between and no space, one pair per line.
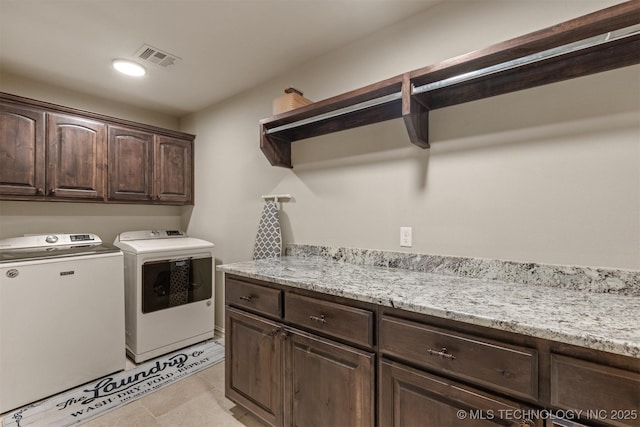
291,100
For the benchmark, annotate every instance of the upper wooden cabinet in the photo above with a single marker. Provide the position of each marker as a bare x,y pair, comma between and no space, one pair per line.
130,164
172,170
22,151
76,150
89,157
148,167
593,43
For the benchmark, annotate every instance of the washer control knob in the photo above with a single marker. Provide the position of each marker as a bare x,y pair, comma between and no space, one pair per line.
51,239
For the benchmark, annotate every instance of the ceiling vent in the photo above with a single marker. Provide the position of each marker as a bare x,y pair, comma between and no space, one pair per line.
156,56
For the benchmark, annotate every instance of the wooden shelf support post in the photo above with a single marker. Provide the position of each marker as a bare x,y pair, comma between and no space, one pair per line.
415,115
276,149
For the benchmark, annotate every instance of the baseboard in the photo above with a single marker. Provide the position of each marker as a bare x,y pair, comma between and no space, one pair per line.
218,332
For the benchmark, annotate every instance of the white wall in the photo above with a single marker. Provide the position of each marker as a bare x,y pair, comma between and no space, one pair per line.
19,85
546,175
19,218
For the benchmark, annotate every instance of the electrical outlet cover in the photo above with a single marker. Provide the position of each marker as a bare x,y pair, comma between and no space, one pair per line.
405,237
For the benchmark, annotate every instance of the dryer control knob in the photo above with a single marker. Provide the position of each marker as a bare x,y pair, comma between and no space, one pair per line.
51,239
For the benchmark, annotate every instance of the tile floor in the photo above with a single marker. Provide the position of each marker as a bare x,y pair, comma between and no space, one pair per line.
197,400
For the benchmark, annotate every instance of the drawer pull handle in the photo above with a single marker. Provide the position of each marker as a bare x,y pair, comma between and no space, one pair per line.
506,374
318,319
246,298
442,353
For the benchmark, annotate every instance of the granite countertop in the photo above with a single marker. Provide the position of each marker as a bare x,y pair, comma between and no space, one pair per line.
601,321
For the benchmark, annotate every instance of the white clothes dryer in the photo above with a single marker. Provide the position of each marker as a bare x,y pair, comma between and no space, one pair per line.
169,291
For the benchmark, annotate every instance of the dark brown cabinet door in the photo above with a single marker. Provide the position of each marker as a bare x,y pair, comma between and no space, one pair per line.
22,152
173,165
76,150
409,397
328,384
253,376
608,394
129,164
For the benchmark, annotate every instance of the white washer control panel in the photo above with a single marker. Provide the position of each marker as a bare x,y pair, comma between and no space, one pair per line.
50,240
150,234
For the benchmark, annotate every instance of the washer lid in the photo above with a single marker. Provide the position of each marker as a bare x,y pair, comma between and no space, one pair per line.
47,241
28,254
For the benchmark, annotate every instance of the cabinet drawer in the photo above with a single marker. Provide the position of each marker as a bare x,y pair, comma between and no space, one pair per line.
341,321
253,297
607,394
492,364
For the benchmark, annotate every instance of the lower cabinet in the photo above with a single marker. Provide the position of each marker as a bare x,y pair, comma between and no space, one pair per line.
410,397
254,361
327,384
289,377
299,358
607,395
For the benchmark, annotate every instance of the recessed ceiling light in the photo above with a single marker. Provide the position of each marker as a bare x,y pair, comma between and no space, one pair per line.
129,68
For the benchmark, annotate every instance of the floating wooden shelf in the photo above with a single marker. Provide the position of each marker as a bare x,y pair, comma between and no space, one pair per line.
329,116
593,43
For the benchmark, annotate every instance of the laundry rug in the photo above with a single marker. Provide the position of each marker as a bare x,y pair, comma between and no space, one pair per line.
105,394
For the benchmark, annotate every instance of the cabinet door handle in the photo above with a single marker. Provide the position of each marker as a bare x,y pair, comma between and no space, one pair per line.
246,298
526,423
283,334
39,191
442,353
318,319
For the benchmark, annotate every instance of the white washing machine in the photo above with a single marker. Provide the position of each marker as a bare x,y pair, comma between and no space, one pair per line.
169,291
61,315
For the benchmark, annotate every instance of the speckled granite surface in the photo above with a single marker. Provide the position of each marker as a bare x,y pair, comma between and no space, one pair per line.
618,281
601,321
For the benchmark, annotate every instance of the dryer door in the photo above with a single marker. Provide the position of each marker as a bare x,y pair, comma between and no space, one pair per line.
175,282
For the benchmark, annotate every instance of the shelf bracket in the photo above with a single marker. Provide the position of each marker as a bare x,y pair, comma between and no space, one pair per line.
276,150
415,116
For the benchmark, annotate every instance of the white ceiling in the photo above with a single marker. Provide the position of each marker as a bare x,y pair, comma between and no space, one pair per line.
225,46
